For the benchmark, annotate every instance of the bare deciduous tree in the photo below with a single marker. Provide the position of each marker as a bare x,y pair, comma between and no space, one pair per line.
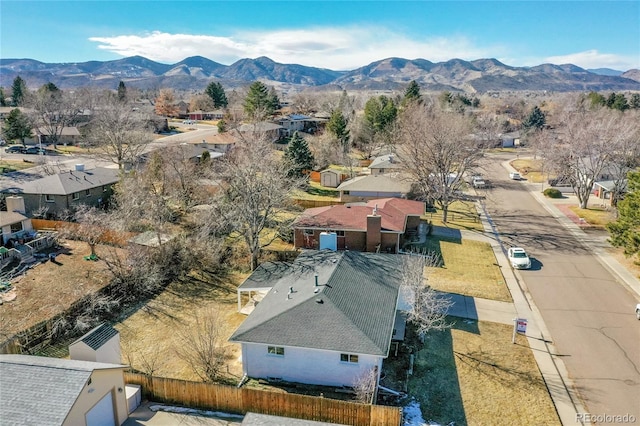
427,309
201,345
254,193
588,143
54,110
436,151
365,385
119,133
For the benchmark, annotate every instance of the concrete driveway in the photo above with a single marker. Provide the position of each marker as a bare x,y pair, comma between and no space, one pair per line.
144,415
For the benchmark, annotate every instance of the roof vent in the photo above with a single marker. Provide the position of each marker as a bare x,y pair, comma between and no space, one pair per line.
316,276
319,301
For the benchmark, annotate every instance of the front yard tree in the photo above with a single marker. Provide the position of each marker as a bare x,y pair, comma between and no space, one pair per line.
625,231
18,91
215,92
584,146
259,102
3,99
427,308
166,103
435,148
17,126
255,192
119,133
298,157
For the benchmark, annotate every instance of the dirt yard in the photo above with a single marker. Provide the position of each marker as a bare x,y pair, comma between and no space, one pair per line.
51,287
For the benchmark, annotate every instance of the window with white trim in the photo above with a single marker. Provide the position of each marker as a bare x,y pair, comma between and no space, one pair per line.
340,233
275,350
49,198
308,232
75,196
87,193
349,358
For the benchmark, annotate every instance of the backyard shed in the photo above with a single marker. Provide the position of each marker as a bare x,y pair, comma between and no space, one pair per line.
102,344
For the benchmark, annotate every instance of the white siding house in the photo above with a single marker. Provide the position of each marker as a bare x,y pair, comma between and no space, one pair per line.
327,317
102,344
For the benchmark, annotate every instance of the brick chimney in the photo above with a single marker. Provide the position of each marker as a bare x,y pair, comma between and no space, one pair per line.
374,237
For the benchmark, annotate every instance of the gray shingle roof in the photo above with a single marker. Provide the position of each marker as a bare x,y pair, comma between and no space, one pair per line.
352,310
41,391
66,183
98,336
376,183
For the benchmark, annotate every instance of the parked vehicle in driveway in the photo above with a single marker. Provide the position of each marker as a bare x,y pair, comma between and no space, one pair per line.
518,258
15,149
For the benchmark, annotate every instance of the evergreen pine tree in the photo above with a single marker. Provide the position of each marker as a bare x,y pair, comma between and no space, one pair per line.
122,91
17,126
535,120
216,92
625,231
412,93
259,102
337,125
18,91
298,156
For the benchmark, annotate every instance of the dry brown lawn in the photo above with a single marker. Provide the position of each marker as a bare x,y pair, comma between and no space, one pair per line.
472,374
148,335
49,288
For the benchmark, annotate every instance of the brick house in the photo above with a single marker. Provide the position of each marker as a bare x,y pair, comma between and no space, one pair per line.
382,225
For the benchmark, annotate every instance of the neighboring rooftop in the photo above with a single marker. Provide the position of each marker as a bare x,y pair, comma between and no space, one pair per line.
353,217
39,390
376,183
69,182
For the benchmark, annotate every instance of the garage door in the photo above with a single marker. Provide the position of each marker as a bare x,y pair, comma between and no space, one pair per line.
102,413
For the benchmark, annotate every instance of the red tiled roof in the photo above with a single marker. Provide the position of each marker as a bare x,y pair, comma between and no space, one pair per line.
394,212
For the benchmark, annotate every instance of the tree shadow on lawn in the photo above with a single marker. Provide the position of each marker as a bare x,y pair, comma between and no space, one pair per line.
434,383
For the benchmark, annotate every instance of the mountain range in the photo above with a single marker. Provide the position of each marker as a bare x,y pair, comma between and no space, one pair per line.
194,73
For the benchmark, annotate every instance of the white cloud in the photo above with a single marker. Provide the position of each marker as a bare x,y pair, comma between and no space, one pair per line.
334,48
595,59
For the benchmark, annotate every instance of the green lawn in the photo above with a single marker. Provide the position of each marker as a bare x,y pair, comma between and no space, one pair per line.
7,166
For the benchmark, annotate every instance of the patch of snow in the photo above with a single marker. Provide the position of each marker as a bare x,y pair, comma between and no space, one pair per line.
185,410
413,416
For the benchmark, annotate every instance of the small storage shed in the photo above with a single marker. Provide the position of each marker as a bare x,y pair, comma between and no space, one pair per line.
330,178
102,344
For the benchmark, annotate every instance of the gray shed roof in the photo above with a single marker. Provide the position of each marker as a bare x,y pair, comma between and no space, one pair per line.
388,161
69,182
39,390
98,336
352,310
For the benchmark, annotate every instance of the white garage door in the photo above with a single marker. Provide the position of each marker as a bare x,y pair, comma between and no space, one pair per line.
102,413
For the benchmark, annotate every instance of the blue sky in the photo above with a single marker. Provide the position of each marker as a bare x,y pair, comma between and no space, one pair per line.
331,34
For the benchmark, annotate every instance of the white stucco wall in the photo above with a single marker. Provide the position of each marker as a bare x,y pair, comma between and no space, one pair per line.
102,382
304,365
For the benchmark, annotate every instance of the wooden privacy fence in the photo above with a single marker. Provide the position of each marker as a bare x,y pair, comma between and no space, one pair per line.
211,396
307,204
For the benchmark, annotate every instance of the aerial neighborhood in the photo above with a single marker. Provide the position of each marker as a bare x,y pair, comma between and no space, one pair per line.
274,253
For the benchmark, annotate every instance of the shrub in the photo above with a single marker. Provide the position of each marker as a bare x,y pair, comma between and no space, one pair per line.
552,193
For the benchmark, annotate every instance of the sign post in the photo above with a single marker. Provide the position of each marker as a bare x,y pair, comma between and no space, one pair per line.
519,326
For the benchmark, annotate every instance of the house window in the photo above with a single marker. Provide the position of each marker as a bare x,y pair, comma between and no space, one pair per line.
349,358
105,188
75,196
49,198
345,192
308,232
16,227
275,350
87,193
340,233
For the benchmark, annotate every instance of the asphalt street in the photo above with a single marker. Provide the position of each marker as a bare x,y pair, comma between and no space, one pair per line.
587,310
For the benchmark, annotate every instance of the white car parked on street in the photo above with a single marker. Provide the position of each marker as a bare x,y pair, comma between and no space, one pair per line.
515,176
518,258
